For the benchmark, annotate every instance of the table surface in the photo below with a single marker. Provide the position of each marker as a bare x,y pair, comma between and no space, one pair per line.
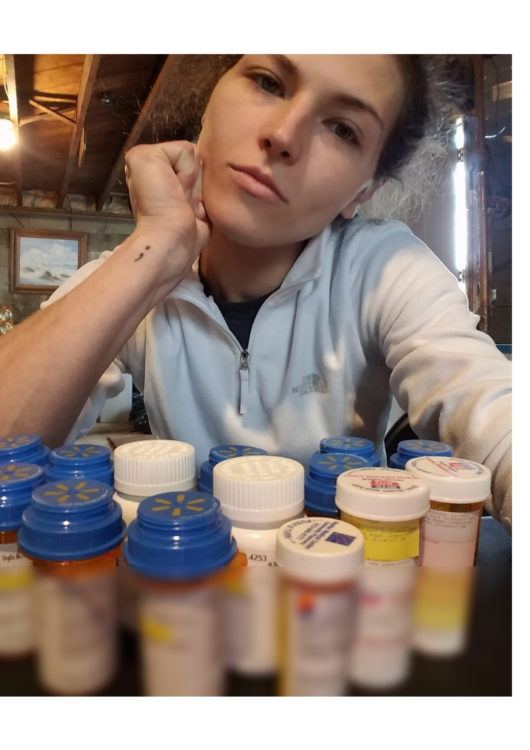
484,669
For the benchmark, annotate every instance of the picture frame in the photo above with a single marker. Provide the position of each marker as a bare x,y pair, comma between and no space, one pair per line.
41,261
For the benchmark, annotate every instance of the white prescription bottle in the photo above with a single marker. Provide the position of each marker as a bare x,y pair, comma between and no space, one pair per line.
148,467
448,551
386,505
144,468
258,494
320,561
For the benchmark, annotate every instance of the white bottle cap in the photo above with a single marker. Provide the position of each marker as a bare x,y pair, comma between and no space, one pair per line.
147,467
381,494
455,480
259,489
320,550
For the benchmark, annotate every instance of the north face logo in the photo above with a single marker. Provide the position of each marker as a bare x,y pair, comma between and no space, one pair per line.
312,383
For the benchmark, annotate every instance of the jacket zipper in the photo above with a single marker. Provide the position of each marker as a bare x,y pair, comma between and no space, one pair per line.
243,381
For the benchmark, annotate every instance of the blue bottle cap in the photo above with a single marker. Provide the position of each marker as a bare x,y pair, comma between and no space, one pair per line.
17,482
72,519
356,446
321,479
414,448
221,453
80,461
26,449
395,462
179,536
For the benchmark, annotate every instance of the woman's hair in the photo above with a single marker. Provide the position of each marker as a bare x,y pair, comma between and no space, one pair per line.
413,158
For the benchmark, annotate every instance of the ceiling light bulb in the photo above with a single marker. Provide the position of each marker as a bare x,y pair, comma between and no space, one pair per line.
7,134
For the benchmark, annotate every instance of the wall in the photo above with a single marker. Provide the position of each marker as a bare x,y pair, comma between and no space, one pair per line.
102,234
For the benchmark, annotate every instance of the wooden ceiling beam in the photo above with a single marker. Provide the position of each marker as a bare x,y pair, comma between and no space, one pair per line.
86,89
169,68
11,81
51,112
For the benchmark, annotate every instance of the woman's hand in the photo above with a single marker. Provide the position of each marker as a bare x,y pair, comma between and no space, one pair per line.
165,187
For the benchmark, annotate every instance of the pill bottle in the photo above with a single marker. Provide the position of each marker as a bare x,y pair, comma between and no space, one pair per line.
319,564
408,449
80,461
26,449
448,550
321,480
355,446
141,469
221,453
258,494
179,546
17,631
72,531
386,505
147,467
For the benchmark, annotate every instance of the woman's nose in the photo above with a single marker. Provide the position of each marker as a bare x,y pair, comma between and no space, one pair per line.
285,135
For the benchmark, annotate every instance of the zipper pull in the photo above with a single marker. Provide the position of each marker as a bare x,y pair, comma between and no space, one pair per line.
243,381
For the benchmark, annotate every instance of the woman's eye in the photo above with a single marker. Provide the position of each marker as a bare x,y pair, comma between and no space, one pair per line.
345,132
266,82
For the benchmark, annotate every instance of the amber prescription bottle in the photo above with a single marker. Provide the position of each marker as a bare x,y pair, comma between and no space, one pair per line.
258,494
386,505
72,531
355,446
448,550
23,448
80,461
408,449
320,560
180,545
17,631
321,481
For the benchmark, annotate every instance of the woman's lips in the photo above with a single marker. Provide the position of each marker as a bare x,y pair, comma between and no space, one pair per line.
257,183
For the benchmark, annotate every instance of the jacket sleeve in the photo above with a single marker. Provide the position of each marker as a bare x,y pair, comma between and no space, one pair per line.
446,375
111,382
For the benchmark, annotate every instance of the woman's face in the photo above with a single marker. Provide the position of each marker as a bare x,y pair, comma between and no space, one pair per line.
288,141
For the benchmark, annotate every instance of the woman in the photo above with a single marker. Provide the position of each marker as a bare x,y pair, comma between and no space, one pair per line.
252,305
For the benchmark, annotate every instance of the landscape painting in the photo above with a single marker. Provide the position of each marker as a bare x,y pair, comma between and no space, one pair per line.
41,261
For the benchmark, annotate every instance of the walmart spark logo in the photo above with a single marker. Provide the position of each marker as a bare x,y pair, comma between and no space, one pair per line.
80,451
336,465
14,442
13,472
233,451
63,493
179,504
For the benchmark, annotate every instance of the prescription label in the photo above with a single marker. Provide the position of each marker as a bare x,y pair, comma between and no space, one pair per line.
384,541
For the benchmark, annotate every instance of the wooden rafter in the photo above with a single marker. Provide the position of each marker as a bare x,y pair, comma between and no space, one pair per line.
11,82
169,69
86,89
51,112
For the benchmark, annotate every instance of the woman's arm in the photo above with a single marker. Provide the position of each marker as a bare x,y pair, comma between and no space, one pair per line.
51,361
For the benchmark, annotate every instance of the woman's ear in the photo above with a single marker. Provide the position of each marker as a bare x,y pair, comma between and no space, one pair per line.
363,194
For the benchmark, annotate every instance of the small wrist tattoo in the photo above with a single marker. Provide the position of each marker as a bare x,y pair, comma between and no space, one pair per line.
141,255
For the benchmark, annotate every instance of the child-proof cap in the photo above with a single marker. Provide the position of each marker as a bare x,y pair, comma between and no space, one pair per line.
407,449
222,453
80,461
380,494
26,449
356,446
17,482
453,479
320,550
259,489
179,536
148,467
72,519
321,479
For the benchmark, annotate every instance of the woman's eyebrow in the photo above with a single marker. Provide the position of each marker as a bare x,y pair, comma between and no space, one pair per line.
340,99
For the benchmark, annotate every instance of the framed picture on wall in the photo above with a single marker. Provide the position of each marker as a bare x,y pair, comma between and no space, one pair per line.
41,261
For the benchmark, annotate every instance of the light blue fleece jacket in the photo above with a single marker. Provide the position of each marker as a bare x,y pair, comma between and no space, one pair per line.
366,310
